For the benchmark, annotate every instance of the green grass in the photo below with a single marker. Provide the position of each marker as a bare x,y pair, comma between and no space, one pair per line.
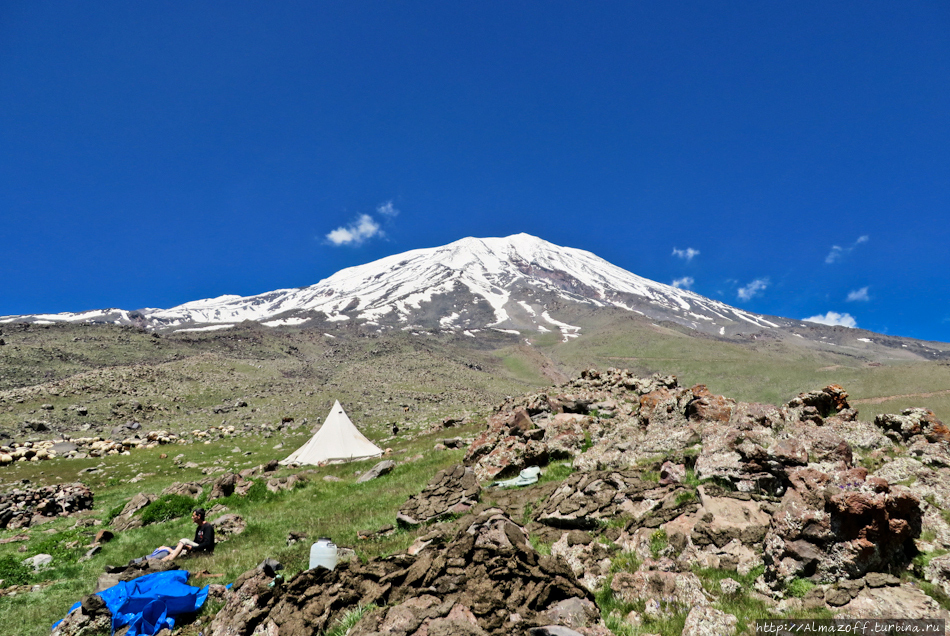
614,611
13,572
168,507
658,543
349,619
540,546
799,587
319,508
556,471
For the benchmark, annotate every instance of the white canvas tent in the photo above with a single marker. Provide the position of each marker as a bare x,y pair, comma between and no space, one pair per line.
338,440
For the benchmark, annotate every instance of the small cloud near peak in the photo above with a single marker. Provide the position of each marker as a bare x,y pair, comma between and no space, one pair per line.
753,289
686,254
684,283
837,252
356,233
834,319
387,209
859,295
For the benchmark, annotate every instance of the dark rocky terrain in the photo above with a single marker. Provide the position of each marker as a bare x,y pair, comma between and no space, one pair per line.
683,510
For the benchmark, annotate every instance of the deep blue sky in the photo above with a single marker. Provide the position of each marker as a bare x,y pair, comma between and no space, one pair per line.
153,153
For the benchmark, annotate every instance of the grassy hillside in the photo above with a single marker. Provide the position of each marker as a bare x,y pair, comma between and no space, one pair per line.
336,509
190,381
762,370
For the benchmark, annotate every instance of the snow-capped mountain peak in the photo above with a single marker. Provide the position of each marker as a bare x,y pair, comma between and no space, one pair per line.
519,282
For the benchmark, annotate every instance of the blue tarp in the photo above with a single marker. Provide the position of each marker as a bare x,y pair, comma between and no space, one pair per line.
151,602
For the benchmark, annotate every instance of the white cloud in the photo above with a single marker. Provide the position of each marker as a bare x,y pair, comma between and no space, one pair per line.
834,319
684,283
753,289
837,252
387,209
858,295
363,229
686,254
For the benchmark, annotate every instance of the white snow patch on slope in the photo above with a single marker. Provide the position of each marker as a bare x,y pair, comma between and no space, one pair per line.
567,331
208,328
284,322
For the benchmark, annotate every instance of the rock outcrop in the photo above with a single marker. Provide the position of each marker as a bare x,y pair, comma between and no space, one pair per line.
487,580
21,507
452,491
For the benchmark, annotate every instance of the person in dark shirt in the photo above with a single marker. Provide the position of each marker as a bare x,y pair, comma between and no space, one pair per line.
204,538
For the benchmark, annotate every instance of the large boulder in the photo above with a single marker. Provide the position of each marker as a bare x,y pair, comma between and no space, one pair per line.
841,526
127,519
913,425
724,519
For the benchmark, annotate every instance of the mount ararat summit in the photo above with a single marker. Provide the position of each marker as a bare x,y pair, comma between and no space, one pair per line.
519,283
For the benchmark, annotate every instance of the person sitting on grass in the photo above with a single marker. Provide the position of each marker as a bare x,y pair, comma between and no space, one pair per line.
204,538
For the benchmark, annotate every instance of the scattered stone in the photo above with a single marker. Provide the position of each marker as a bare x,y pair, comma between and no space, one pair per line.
39,561
127,518
729,586
382,468
23,507
295,537
227,526
705,620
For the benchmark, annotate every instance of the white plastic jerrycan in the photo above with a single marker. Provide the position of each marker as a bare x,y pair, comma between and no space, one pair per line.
323,553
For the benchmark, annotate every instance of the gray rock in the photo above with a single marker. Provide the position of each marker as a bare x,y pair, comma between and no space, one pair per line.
729,586
127,518
39,561
836,596
708,621
572,612
378,470
228,525
880,579
553,630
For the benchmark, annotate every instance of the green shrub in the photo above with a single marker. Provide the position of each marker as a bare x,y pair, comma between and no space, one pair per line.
539,546
166,508
349,620
13,572
56,546
588,442
625,562
685,497
556,471
257,492
658,543
799,587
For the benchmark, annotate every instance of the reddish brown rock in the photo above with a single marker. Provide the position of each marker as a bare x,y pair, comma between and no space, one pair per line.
708,407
